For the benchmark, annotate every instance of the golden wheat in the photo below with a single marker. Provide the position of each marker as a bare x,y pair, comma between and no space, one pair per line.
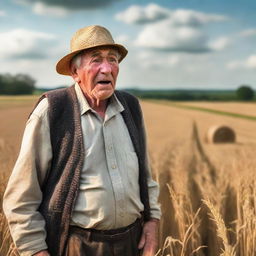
188,171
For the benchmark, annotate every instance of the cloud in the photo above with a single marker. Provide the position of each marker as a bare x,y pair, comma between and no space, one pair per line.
249,63
172,30
122,39
235,64
141,15
248,33
148,59
166,37
220,44
68,5
42,9
25,44
136,14
2,13
193,18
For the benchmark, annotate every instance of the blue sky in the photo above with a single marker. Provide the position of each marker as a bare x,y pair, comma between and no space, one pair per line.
207,44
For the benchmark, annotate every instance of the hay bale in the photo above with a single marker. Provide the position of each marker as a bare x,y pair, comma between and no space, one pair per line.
220,134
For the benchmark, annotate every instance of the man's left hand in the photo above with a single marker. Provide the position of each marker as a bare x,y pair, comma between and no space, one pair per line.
149,237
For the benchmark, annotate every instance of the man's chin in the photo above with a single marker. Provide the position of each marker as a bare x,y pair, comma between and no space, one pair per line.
103,95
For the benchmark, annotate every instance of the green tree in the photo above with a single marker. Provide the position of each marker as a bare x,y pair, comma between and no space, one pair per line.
16,84
245,92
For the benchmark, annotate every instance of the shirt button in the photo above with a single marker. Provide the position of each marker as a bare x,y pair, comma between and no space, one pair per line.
109,148
121,215
113,166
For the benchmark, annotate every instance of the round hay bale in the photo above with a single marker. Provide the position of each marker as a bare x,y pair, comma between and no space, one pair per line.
220,134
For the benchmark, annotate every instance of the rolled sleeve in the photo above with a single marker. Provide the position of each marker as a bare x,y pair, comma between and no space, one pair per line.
23,193
153,193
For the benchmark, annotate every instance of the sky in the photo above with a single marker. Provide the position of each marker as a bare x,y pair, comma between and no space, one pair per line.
172,44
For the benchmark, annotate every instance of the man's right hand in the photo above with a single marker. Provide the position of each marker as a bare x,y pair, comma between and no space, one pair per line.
42,253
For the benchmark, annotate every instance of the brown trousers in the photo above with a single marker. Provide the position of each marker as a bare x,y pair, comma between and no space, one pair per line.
119,242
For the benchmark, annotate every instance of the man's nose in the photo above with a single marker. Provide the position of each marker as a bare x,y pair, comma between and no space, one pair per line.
105,67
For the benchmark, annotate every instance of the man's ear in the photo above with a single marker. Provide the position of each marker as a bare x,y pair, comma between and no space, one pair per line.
74,74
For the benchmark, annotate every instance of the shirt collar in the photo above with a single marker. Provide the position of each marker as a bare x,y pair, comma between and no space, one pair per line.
83,103
113,107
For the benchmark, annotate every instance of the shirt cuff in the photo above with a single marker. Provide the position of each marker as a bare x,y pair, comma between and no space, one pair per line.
31,248
155,213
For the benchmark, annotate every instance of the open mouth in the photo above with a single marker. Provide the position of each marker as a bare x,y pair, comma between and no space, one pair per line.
104,82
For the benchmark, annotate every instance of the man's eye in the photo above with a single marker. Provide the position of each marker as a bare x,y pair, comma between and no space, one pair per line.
97,60
114,60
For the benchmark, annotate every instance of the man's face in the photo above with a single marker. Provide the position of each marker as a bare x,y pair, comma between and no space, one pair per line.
97,73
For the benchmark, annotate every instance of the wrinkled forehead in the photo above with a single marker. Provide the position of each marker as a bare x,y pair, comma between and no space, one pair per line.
102,50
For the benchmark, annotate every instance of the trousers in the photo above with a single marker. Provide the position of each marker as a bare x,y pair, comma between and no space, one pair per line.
118,242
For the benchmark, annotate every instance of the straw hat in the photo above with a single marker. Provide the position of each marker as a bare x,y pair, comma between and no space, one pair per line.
87,38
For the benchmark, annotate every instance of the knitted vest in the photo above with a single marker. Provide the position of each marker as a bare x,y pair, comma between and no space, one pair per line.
61,185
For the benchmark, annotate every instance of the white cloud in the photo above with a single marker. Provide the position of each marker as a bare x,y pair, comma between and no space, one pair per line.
149,59
136,14
248,33
193,18
172,30
173,60
2,13
122,39
25,44
42,9
235,64
249,63
164,36
220,43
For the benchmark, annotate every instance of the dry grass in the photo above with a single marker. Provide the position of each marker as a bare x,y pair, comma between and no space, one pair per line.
207,192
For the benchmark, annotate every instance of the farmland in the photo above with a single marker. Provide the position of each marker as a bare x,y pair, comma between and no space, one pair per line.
246,108
189,171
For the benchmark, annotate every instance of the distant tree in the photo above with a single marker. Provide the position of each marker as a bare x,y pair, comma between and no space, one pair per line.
16,84
245,92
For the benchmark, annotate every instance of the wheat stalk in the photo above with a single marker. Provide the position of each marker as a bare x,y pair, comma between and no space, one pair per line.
221,229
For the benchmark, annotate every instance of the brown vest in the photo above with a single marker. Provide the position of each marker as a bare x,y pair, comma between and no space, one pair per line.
61,185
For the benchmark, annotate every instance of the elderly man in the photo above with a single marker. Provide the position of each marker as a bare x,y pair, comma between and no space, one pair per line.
82,183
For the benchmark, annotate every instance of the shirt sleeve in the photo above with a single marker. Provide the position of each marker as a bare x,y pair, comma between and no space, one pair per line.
153,187
23,193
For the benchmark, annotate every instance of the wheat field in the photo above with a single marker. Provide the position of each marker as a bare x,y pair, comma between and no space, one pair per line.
207,191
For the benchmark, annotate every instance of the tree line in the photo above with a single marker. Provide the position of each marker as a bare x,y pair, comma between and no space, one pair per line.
25,84
242,93
16,84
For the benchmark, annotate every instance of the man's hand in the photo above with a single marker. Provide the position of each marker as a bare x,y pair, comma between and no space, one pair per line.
149,237
42,253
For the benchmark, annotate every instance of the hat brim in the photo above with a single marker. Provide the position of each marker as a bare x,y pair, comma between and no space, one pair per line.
63,65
